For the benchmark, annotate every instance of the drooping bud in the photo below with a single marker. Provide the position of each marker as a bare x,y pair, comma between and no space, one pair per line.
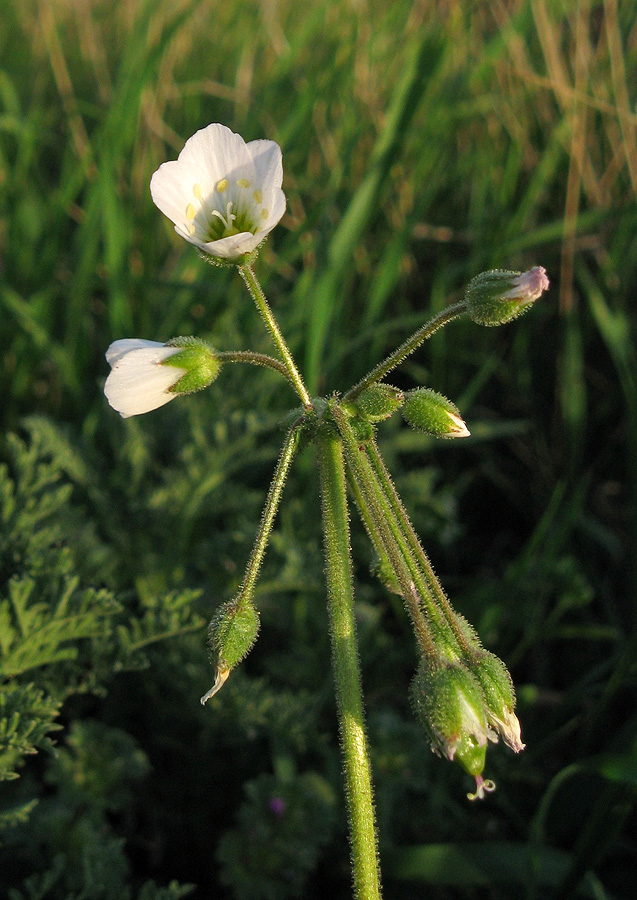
449,703
497,297
199,362
499,695
428,411
378,402
231,635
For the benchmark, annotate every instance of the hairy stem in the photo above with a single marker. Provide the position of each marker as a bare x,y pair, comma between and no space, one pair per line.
256,359
407,347
415,547
383,528
252,283
346,668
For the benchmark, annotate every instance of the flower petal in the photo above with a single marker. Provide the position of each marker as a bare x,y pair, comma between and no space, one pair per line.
138,382
119,349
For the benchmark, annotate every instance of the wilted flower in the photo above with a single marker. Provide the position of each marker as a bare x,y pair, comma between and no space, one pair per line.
146,374
499,695
223,195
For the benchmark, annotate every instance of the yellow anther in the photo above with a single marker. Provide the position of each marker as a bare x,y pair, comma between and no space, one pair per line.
222,185
191,229
264,214
190,211
258,197
197,191
243,182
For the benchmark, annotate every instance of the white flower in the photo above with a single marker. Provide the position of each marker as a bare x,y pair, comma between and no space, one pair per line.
138,381
223,195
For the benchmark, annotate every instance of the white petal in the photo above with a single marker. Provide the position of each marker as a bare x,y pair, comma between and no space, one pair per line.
138,382
217,151
276,209
268,165
229,247
118,349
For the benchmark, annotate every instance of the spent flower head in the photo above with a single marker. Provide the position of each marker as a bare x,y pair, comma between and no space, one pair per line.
223,195
146,374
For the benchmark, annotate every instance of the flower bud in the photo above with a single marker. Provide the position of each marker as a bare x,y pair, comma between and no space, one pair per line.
500,296
499,696
432,413
378,402
232,633
449,703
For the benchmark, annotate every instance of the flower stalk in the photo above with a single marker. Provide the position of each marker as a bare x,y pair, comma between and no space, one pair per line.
252,284
406,348
242,604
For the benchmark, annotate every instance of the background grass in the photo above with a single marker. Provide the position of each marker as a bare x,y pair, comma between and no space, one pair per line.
423,142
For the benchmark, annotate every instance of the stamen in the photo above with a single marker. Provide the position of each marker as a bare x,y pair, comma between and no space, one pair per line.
229,217
243,182
192,230
197,191
264,214
190,211
258,196
222,185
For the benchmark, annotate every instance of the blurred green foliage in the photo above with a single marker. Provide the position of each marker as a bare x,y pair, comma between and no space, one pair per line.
423,142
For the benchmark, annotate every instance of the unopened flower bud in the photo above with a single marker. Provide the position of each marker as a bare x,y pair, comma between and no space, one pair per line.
378,402
428,411
231,635
449,703
499,696
500,296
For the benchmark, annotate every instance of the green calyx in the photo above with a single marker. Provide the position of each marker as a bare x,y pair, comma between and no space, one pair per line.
199,362
232,632
377,402
449,703
426,410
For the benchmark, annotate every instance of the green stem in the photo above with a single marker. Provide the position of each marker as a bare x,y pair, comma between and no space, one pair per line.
257,359
269,511
258,296
407,347
346,668
263,534
415,546
385,530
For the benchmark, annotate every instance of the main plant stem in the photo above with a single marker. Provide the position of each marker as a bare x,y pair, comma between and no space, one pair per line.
345,663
